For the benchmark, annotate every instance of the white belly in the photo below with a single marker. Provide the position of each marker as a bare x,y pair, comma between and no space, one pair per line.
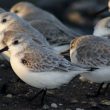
99,76
48,80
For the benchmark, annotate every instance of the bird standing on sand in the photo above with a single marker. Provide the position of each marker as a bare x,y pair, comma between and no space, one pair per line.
92,51
38,65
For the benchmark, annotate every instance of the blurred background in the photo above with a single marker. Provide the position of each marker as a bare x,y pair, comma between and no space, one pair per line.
78,14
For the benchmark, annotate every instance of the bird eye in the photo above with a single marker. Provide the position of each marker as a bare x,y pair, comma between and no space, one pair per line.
16,11
15,42
4,20
24,61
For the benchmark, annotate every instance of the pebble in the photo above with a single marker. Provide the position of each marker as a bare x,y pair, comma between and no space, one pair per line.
74,101
94,104
104,86
60,104
9,95
83,102
2,65
50,92
45,107
54,105
74,85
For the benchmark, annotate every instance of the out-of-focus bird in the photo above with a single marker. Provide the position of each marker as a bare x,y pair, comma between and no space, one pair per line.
82,13
102,28
54,31
12,23
3,56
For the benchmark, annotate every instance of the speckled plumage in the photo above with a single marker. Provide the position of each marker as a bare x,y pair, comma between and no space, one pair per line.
55,34
36,56
93,51
41,59
39,65
16,24
46,23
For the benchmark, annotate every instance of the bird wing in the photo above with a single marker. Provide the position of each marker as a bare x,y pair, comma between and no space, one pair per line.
53,32
42,59
94,52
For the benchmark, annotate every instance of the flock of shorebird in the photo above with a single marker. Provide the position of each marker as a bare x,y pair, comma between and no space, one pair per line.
33,41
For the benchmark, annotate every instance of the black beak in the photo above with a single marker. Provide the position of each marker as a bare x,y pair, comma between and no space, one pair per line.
101,11
4,49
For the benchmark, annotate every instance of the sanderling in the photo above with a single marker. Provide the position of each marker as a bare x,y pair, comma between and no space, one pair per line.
54,31
2,56
11,22
92,51
38,65
102,28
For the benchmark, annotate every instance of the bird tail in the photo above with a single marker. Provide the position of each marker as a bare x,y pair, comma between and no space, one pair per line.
93,69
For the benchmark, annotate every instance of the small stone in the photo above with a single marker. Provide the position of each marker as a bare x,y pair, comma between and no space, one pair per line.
82,78
79,109
105,85
45,107
105,102
54,105
91,82
94,104
50,92
74,85
2,65
9,95
74,101
83,102
60,104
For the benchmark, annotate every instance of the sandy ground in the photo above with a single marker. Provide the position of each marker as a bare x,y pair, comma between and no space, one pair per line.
15,95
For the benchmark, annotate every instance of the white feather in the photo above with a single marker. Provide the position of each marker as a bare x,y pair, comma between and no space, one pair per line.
99,75
61,49
73,57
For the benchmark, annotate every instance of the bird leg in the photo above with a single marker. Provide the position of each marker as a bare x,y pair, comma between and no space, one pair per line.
98,92
106,88
43,96
43,92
